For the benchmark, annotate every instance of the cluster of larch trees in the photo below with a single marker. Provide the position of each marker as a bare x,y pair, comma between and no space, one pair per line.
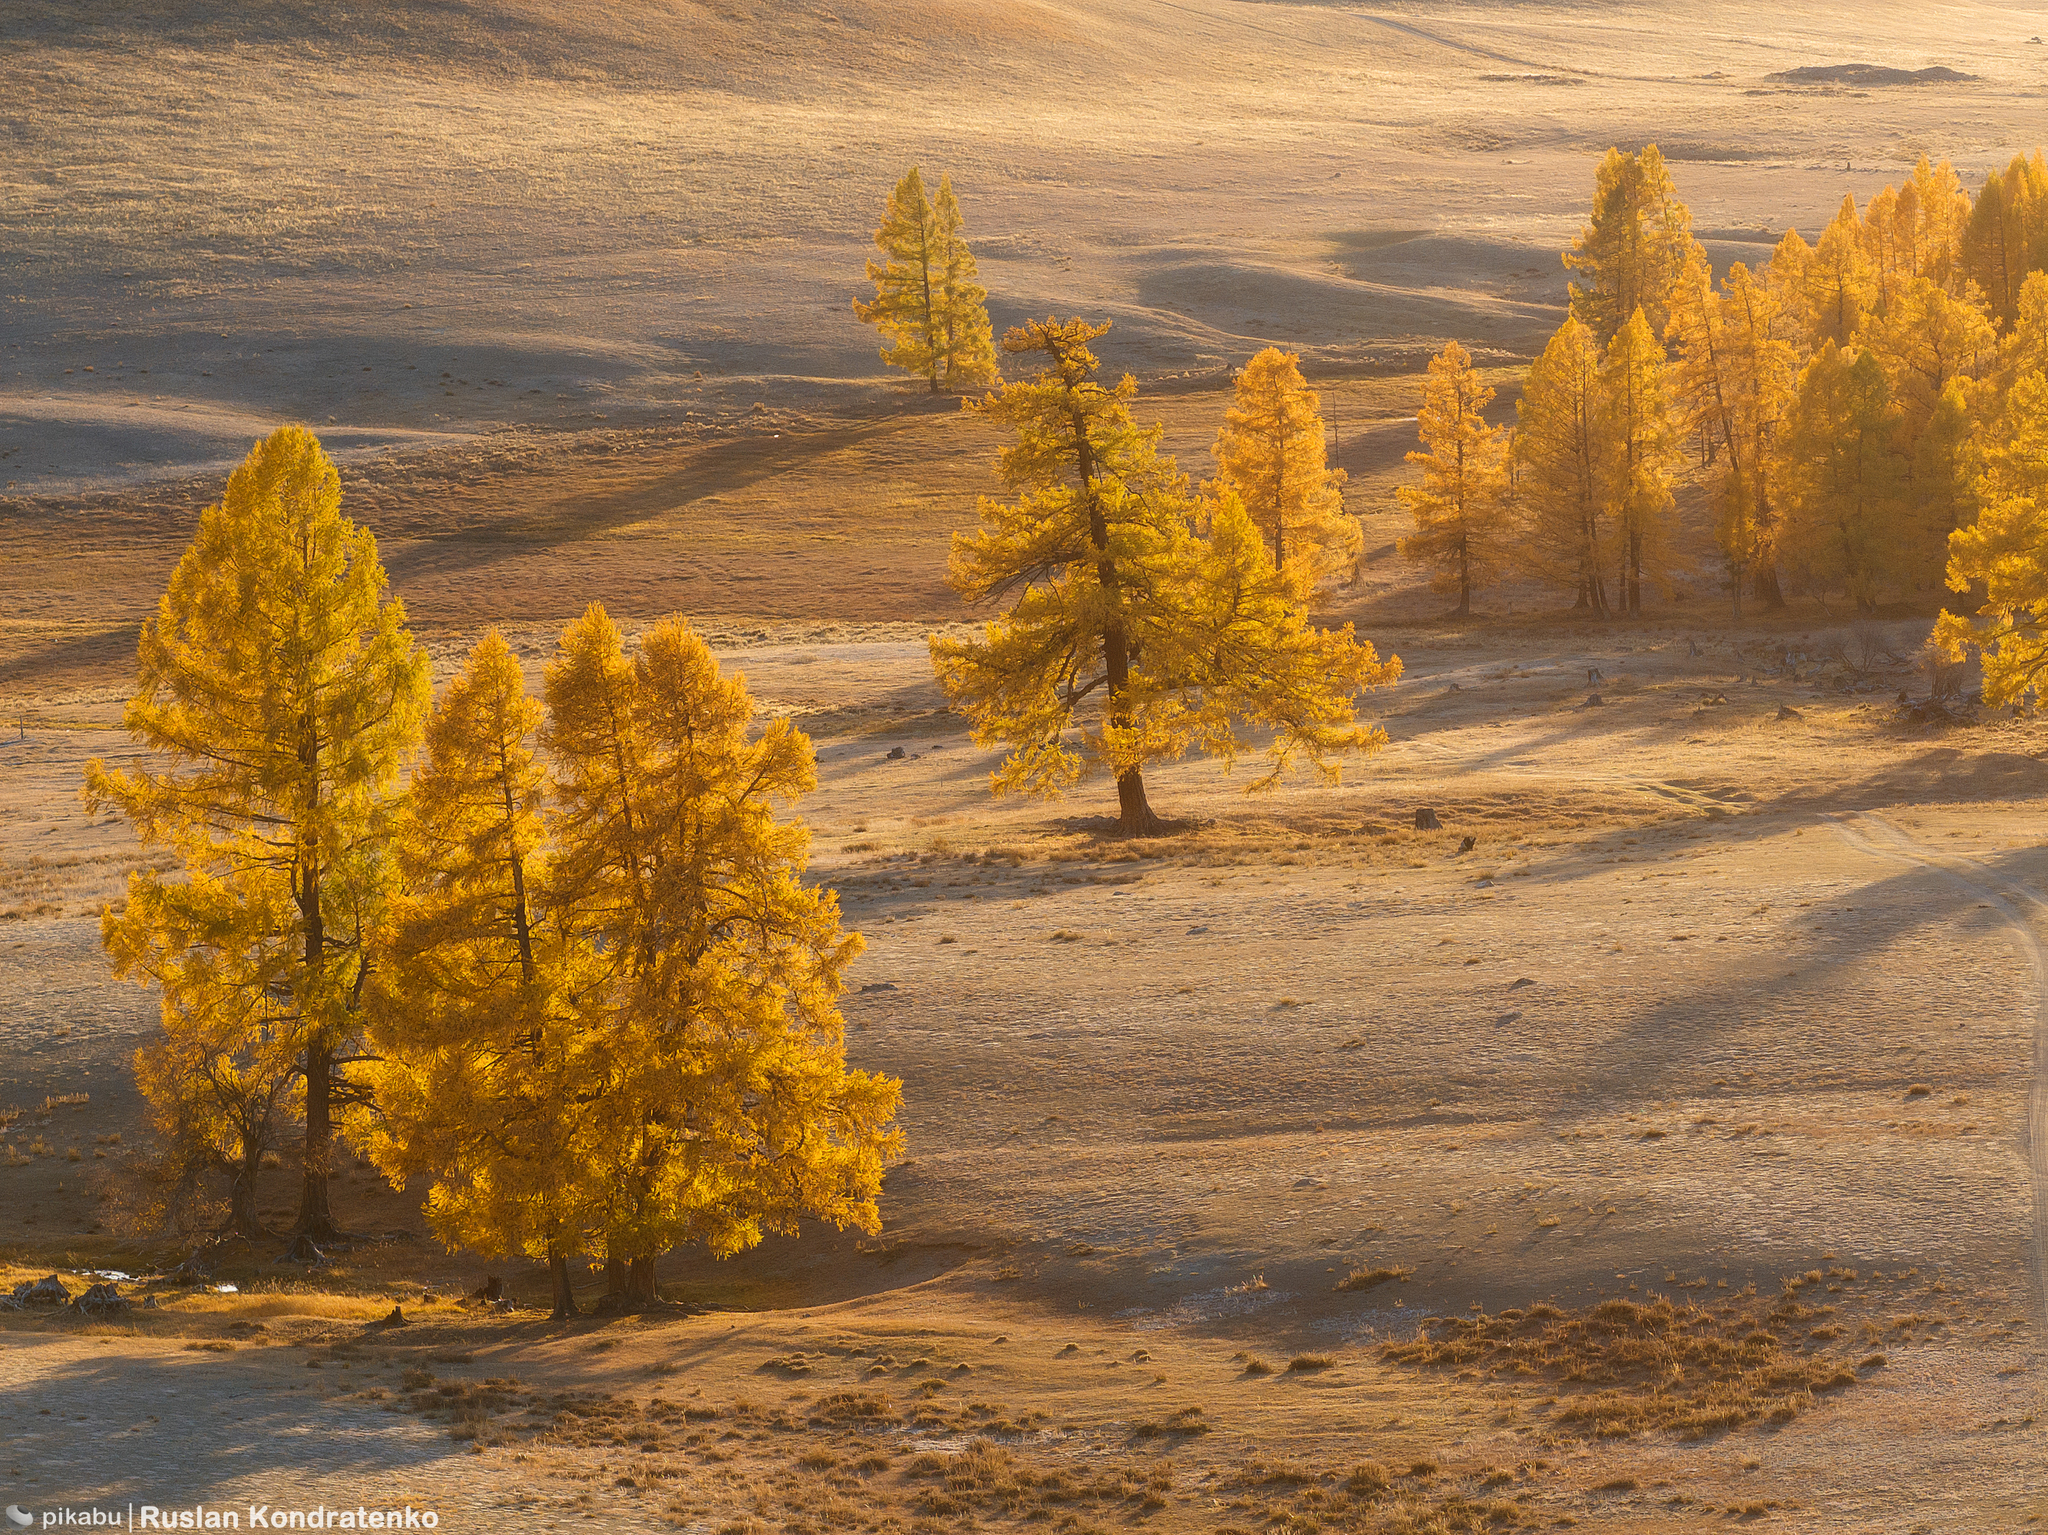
1856,409
567,971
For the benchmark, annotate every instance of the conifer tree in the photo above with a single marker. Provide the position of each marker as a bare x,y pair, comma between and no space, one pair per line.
2024,348
1711,386
928,302
1838,280
1460,508
1129,637
1559,478
727,1110
1762,367
1943,211
1840,474
1271,454
1633,248
2006,549
485,1036
965,343
1785,278
2006,237
1889,235
281,692
905,307
1640,448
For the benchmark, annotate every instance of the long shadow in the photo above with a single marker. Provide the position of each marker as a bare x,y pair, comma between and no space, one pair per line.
46,664
569,518
225,1420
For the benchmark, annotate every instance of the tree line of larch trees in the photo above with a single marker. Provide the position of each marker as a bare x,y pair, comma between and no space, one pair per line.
1864,413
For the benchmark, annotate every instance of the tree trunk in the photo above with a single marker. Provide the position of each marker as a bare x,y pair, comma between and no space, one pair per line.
242,1220
316,1220
615,1271
565,1293
640,1279
1135,818
1768,592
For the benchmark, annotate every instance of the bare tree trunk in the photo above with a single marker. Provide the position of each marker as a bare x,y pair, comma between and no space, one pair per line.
242,1220
316,1219
640,1279
1768,592
1135,817
615,1279
565,1293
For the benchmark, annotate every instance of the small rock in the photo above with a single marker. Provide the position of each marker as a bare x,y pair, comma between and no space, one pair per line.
896,754
1520,983
1194,930
1425,820
1594,700
1468,844
877,986
1787,712
503,1304
395,1319
1310,1183
1505,1019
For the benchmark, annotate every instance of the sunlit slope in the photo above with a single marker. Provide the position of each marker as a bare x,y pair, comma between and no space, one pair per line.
579,208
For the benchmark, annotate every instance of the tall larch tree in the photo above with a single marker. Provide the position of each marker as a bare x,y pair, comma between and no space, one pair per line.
1641,451
1943,210
2005,237
929,304
281,694
1559,469
1462,525
1839,283
1633,248
1130,637
1271,453
728,1110
966,342
2006,551
1841,474
1890,236
485,1039
1762,365
1709,385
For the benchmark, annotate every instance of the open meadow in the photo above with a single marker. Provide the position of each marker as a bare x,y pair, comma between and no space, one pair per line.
1656,1141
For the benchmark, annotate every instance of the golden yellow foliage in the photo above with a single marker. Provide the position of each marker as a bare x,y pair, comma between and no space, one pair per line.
1271,454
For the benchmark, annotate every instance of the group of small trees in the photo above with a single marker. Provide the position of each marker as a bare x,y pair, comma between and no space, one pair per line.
1852,403
568,972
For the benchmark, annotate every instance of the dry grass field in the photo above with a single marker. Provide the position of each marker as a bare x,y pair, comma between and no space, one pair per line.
1675,1157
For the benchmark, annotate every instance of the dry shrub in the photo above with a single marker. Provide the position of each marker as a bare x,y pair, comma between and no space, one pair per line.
1367,1279
1651,1366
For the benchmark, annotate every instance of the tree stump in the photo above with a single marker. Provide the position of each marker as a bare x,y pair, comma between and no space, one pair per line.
1425,820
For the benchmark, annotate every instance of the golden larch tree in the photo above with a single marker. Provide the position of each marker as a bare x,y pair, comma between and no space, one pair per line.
1130,638
2007,234
1943,210
1641,450
1559,479
727,1110
1840,474
1839,283
281,694
1634,246
966,343
2006,549
1271,453
928,303
484,1031
1762,370
1462,526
